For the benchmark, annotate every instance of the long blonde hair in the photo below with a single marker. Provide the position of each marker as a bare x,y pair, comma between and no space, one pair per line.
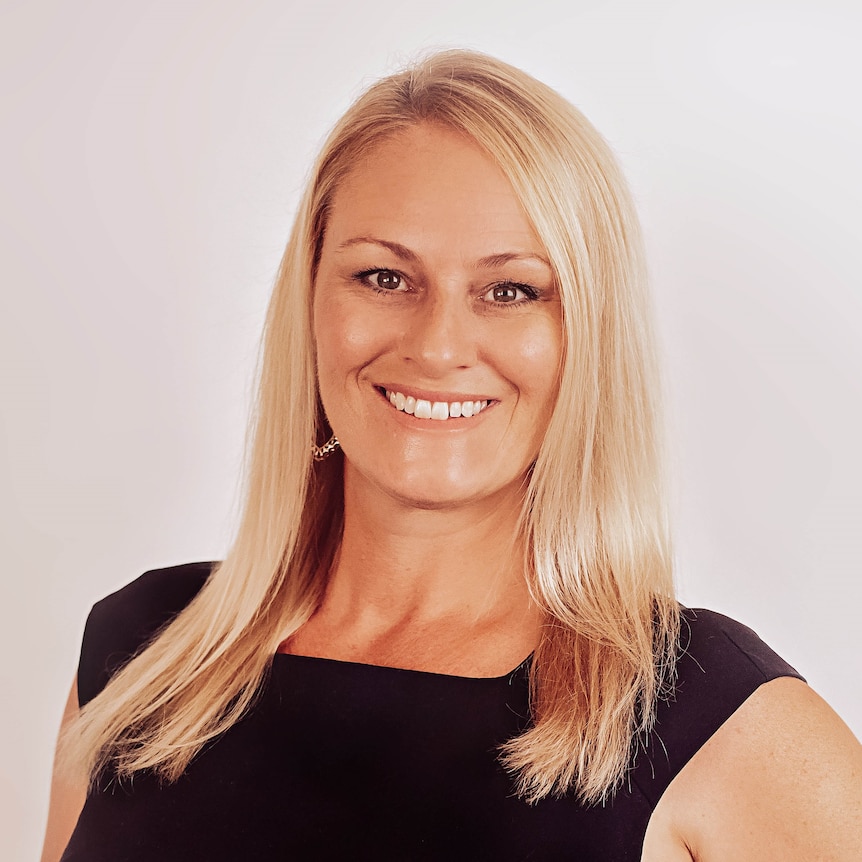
594,516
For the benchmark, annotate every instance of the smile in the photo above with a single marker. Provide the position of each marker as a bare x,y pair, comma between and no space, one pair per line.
440,410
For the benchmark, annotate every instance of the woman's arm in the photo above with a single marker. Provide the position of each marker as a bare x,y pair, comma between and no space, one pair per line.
67,798
780,780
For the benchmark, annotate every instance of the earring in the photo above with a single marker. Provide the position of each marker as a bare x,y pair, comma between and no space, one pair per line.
320,453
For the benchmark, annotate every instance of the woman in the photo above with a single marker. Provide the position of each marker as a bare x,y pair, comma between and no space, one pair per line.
447,628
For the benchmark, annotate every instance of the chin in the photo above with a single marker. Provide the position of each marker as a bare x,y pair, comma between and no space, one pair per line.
442,495
431,501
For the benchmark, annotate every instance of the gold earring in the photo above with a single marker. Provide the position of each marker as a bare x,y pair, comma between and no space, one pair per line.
320,453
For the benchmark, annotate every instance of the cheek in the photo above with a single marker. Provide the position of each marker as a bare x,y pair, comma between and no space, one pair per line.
534,357
349,337
344,340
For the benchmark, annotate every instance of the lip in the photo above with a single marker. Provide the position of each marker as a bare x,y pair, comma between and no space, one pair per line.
429,395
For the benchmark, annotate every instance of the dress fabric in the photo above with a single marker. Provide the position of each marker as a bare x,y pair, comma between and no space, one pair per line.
346,761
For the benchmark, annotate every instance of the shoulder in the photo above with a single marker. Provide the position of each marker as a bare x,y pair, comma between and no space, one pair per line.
713,645
720,664
781,779
122,623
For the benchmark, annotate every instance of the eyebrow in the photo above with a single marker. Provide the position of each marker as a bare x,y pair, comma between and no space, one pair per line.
491,261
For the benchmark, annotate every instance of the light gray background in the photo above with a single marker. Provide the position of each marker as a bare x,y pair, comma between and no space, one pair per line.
153,154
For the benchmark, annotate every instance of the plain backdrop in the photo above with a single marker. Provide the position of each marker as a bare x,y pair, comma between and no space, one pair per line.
153,153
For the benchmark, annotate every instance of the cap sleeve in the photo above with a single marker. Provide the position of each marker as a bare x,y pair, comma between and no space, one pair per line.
720,664
123,623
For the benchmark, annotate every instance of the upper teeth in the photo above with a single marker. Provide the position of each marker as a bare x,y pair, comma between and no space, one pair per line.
423,409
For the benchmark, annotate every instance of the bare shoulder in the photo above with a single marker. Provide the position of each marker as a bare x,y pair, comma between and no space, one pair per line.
780,780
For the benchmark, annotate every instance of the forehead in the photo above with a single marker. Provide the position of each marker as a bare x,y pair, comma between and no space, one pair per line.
431,186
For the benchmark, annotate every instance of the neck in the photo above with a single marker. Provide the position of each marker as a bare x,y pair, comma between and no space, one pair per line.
403,560
429,588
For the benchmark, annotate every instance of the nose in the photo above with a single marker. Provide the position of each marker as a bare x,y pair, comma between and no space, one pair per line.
441,334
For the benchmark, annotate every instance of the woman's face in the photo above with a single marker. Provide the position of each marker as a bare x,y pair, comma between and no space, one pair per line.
437,323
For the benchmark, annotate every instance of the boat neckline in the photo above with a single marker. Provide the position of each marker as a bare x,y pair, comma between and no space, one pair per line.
385,668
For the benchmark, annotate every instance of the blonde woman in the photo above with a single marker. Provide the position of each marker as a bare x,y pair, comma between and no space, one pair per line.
447,629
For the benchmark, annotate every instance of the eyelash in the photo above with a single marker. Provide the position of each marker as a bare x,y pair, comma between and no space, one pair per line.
363,277
531,294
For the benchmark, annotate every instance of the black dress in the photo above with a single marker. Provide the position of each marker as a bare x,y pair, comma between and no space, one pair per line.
344,761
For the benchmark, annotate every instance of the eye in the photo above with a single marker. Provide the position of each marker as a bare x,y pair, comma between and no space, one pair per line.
510,293
381,279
